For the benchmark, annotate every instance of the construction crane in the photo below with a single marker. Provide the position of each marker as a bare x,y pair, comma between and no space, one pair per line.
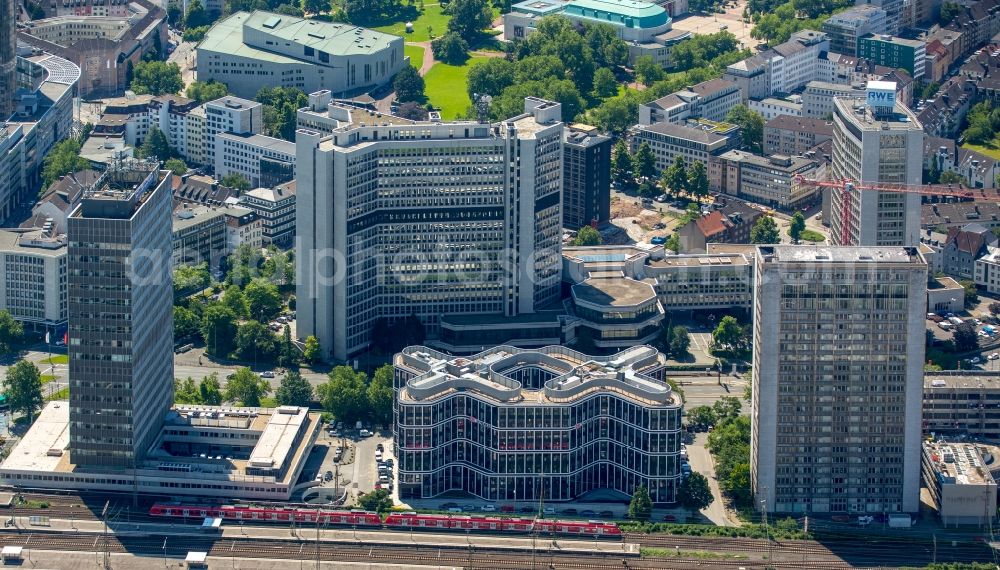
847,186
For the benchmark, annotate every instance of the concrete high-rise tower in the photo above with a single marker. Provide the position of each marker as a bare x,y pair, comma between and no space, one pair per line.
120,316
838,355
876,140
8,56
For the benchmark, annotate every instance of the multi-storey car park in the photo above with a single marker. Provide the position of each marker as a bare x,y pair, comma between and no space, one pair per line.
550,424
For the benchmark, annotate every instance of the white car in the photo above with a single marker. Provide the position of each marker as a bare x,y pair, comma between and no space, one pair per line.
994,356
489,508
365,433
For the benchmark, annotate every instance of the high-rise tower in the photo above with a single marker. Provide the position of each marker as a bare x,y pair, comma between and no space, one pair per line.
120,316
8,53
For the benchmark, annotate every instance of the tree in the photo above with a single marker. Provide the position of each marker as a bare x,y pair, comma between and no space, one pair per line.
380,394
22,385
205,91
173,14
615,115
994,309
290,10
644,162
186,391
233,298
315,6
236,181
966,339
621,162
246,388
450,48
344,394
378,501
764,231
156,78
751,125
673,243
949,10
641,506
186,324
196,15
413,111
218,328
727,407
194,34
191,279
469,18
11,331
288,354
951,177
605,84
934,172
294,390
728,333
647,71
702,416
211,390
694,493
254,341
971,293
490,77
698,180
409,85
156,145
675,177
930,90
176,166
263,299
680,341
797,226
64,158
587,236
562,91
280,106
311,351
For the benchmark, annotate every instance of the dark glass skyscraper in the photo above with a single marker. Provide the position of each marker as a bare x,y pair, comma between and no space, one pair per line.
8,52
120,316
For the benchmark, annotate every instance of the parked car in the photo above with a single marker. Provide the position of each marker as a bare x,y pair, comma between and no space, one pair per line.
669,518
507,508
468,508
488,508
606,514
328,475
380,447
569,512
549,510
267,374
364,433
588,513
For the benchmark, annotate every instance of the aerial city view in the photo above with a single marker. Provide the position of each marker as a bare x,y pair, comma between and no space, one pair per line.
500,284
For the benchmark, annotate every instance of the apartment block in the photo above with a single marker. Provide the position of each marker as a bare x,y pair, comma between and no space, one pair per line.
795,136
710,100
120,312
391,207
783,68
897,53
535,425
838,355
875,141
818,96
694,141
771,107
586,177
276,209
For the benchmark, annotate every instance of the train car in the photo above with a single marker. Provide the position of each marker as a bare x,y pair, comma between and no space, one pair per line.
414,521
577,528
269,514
186,511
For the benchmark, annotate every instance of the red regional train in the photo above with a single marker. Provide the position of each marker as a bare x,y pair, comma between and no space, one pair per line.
394,521
267,514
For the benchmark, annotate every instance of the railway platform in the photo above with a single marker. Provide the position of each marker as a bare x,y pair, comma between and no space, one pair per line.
310,534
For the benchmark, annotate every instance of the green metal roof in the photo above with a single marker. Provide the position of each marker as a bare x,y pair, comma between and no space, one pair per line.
226,36
628,13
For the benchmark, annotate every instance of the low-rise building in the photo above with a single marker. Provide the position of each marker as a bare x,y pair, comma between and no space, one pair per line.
960,483
794,136
710,100
944,115
962,402
199,235
771,107
946,215
818,96
976,169
987,271
730,224
770,180
521,413
945,295
264,161
276,209
963,247
615,311
783,68
243,226
694,141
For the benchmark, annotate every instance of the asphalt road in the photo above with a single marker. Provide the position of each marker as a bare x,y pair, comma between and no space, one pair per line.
184,56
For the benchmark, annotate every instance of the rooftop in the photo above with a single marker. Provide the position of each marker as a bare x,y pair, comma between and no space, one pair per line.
827,254
801,124
617,291
966,379
857,111
706,136
233,102
629,13
700,260
891,39
185,217
262,141
789,164
958,463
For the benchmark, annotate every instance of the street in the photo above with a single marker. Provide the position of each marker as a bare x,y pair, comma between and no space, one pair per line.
183,56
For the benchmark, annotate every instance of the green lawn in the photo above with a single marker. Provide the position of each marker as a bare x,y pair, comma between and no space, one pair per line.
811,235
416,55
57,359
992,151
46,378
60,395
444,86
431,16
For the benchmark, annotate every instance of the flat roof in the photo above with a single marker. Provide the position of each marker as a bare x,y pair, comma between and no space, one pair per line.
278,438
45,443
613,291
857,111
973,380
262,141
706,260
958,463
829,254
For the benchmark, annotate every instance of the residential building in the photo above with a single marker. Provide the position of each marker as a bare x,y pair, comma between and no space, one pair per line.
8,58
199,189
33,284
58,200
263,161
960,483
818,96
783,68
199,236
875,141
963,403
247,51
121,383
975,26
771,107
963,247
243,226
957,214
586,177
769,180
844,29
893,13
751,75
104,48
795,136
986,271
730,224
710,100
838,355
276,209
694,141
894,52
379,195
170,114
944,115
976,169
536,410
